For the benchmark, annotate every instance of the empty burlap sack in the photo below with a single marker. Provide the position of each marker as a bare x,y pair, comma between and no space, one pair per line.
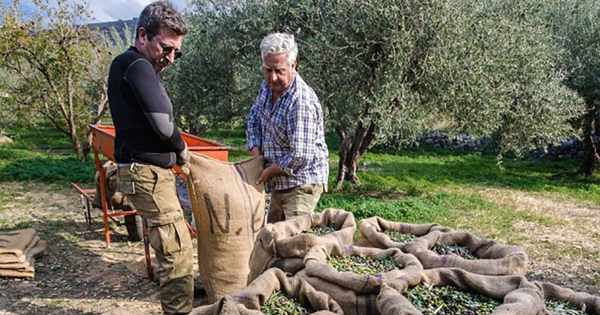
114,199
518,296
372,231
250,299
13,245
25,269
229,209
356,293
577,299
492,258
284,245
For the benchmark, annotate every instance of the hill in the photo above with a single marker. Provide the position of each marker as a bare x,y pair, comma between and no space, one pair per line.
121,26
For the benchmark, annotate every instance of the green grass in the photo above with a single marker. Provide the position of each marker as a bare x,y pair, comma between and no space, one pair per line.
235,139
5,226
42,155
21,165
415,172
427,208
44,139
425,185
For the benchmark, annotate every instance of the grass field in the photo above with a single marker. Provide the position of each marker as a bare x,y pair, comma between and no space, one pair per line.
412,185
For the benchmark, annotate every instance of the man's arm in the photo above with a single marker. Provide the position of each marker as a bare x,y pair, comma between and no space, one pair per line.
154,103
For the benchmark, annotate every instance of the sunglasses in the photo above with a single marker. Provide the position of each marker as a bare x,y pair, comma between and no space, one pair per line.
166,49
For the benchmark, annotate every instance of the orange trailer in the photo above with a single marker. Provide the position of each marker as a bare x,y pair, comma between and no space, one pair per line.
103,143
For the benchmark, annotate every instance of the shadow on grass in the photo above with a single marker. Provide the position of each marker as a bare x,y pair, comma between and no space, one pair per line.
71,268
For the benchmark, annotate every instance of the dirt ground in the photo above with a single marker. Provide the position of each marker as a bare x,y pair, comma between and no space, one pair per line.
78,274
567,253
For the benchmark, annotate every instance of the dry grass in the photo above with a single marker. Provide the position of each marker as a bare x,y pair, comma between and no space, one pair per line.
561,236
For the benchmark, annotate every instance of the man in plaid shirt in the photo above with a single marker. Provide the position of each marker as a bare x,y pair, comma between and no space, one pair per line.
285,125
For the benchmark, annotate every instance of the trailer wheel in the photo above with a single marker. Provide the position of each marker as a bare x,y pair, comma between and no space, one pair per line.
133,223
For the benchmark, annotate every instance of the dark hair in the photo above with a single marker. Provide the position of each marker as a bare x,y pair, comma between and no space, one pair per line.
158,14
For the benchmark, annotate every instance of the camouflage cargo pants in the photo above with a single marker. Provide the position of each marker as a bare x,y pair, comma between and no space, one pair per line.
294,201
152,191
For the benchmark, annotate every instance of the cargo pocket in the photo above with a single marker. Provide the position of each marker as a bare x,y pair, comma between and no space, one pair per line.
170,238
183,233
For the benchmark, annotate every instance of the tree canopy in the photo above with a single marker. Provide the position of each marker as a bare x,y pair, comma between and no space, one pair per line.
576,27
386,68
57,66
522,72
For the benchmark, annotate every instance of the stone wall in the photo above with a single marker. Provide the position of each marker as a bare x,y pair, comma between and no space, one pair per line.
569,149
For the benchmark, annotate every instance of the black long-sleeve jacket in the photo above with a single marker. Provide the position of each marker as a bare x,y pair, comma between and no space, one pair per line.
142,113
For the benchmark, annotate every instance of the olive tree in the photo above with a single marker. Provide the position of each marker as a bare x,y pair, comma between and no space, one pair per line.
387,68
576,25
495,74
59,65
216,80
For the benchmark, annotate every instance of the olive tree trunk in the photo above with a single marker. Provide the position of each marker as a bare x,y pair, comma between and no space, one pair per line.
352,148
592,148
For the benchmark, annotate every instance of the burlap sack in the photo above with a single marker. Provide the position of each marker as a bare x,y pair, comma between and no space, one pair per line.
372,232
225,306
356,293
25,269
13,245
577,299
250,299
273,280
284,245
519,296
229,306
229,209
391,302
114,199
493,258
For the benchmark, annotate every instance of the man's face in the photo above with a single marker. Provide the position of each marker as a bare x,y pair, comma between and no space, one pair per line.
278,72
162,49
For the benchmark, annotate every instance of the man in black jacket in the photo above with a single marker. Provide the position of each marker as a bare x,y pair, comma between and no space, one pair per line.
148,145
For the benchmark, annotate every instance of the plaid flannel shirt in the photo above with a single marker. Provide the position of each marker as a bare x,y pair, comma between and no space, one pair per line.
290,134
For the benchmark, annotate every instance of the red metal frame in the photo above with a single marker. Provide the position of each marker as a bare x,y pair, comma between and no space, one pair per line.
103,142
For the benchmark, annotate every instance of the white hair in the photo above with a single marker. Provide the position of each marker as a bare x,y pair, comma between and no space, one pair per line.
279,43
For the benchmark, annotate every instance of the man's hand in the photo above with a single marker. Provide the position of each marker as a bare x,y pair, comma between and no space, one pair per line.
267,173
255,151
183,160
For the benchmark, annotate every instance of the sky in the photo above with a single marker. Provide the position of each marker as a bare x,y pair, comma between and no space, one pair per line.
109,10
